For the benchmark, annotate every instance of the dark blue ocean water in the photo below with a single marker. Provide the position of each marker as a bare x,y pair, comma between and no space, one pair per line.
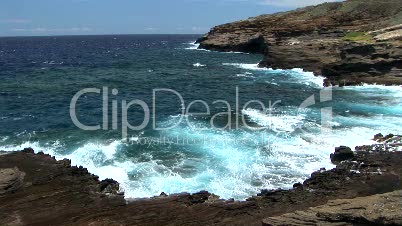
40,75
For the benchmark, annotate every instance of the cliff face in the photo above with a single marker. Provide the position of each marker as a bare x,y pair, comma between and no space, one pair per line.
348,42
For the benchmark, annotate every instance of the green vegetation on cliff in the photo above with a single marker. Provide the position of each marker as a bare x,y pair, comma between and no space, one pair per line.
358,37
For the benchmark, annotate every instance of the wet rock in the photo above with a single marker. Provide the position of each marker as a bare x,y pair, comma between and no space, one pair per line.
386,138
341,153
193,199
389,142
297,185
109,186
28,150
378,136
66,163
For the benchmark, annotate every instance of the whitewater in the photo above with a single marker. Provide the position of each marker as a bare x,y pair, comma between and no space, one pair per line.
229,163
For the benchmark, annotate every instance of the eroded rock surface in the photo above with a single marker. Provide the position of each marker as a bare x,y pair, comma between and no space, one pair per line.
11,180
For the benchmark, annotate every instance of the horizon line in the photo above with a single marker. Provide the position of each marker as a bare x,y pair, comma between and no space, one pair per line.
68,35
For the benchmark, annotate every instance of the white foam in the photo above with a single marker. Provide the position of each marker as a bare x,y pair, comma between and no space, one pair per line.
235,52
277,123
247,66
300,76
224,167
395,91
35,145
308,77
199,65
237,165
232,164
245,75
193,46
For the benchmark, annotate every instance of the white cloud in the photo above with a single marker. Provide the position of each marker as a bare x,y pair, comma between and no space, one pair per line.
53,30
199,29
295,3
276,3
151,29
15,21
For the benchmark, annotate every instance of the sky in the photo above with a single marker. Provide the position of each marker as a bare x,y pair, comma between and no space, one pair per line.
88,17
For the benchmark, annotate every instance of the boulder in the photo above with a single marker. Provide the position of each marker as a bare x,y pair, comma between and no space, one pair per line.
378,137
28,150
341,153
109,186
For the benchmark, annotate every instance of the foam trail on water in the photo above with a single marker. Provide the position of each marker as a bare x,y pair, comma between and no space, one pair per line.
193,46
245,75
246,66
199,65
298,75
308,77
377,90
277,123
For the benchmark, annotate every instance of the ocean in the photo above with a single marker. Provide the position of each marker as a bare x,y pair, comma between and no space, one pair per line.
256,128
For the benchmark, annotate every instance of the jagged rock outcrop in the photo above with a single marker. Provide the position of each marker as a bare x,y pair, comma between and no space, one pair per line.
248,44
341,153
389,142
384,209
330,39
379,63
53,192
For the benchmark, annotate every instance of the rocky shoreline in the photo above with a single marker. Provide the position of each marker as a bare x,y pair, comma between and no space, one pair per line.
36,189
349,43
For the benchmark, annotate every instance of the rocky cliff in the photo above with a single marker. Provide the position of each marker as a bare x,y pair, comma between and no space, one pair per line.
351,42
35,189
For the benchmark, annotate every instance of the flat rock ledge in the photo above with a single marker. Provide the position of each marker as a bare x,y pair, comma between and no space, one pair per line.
384,209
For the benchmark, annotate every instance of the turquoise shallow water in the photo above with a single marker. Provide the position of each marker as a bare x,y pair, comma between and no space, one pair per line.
40,75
